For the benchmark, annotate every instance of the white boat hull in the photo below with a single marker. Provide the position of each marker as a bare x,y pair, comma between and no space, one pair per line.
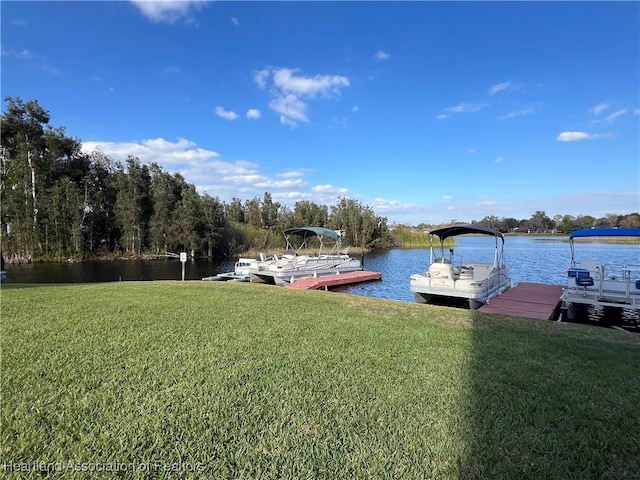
429,287
290,268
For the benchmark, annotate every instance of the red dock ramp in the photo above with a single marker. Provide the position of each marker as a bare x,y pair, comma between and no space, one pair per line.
334,280
529,300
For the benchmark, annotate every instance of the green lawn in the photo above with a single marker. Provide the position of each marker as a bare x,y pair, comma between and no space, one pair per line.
214,380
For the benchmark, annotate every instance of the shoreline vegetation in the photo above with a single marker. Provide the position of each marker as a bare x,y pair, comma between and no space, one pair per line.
248,381
400,238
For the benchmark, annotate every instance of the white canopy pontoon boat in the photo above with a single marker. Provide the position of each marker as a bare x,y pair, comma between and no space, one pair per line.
590,282
294,264
474,282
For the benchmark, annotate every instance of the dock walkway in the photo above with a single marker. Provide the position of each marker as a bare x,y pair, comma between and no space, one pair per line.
530,300
334,280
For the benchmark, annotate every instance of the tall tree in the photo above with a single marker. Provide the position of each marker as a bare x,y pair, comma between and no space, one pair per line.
166,194
190,221
23,145
540,222
252,212
310,214
269,211
133,205
214,224
235,211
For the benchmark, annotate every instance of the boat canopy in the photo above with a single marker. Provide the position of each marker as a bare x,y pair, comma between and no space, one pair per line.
307,232
605,232
446,232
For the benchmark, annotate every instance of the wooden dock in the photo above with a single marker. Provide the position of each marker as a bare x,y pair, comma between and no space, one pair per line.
529,300
334,280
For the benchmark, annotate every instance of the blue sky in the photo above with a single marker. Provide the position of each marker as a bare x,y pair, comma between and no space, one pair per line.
424,111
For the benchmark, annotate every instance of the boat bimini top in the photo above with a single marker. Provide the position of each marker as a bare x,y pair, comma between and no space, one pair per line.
309,232
464,229
446,232
600,232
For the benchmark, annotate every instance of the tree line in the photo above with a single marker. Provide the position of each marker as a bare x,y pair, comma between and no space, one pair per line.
58,202
540,222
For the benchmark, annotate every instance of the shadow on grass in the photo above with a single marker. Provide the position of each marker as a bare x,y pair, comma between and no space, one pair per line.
551,400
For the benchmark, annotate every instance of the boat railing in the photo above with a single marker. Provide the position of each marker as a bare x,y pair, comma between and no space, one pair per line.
609,284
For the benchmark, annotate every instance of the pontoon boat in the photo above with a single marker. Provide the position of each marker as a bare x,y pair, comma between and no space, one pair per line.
295,263
609,285
472,282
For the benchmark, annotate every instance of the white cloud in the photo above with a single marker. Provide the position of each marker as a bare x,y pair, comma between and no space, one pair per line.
168,11
636,111
578,136
528,110
598,109
23,54
386,207
221,112
291,107
291,91
499,87
612,117
382,55
287,122
235,21
286,80
261,77
254,113
499,159
462,108
153,150
291,174
467,107
329,194
224,179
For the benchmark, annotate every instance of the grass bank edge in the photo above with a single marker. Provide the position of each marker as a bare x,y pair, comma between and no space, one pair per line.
309,383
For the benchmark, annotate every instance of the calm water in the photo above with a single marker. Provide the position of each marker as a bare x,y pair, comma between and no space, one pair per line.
530,259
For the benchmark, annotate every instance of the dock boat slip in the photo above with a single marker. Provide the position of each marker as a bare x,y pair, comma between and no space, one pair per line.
295,264
472,282
592,283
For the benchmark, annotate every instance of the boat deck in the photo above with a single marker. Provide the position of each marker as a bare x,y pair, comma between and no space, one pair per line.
529,300
334,280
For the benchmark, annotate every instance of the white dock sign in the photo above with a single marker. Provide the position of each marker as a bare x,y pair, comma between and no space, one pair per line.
183,260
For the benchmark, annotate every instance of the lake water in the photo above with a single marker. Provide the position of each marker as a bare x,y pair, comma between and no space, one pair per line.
530,259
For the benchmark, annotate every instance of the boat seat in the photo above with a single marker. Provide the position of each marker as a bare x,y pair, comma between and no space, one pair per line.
594,267
441,270
584,282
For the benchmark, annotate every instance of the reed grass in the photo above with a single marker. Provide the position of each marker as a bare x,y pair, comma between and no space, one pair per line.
214,380
405,237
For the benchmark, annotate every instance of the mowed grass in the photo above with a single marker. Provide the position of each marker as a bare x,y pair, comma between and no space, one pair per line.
214,380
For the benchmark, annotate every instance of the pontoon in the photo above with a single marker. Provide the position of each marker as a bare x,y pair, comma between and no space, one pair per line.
295,263
472,282
592,283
